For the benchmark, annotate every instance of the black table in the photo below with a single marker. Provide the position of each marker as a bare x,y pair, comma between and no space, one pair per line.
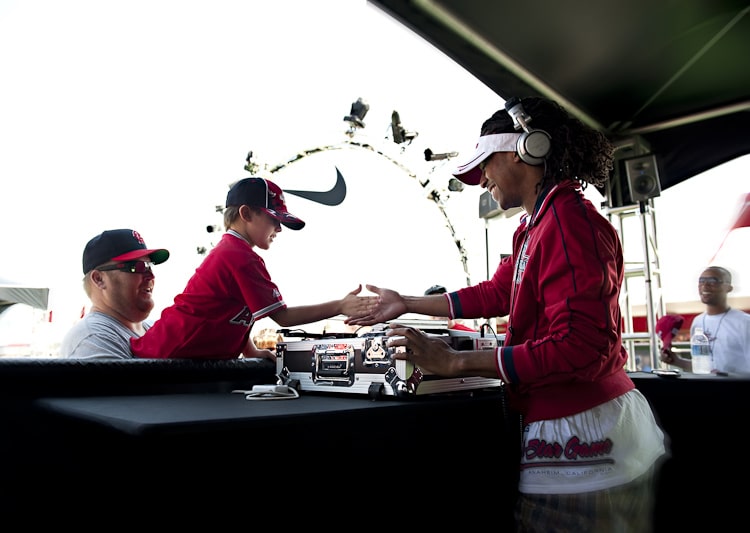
170,414
321,453
452,448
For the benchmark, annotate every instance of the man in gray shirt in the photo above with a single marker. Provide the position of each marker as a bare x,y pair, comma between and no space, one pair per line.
119,282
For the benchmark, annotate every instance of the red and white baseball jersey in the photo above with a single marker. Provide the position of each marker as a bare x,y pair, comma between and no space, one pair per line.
213,316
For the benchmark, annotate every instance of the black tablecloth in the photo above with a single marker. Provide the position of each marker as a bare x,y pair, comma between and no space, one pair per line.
196,413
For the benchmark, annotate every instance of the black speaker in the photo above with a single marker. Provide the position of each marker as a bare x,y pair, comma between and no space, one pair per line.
643,177
533,146
488,207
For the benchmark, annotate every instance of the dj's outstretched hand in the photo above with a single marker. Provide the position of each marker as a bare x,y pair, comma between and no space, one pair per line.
390,304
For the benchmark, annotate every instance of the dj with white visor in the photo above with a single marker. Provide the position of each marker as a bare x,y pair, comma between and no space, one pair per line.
590,444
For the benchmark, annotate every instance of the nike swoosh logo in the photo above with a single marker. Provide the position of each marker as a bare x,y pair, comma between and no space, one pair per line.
333,197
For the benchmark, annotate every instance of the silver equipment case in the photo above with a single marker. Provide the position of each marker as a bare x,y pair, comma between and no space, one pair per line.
363,364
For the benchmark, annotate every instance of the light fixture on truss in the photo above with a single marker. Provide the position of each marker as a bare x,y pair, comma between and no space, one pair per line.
250,165
356,116
400,135
429,155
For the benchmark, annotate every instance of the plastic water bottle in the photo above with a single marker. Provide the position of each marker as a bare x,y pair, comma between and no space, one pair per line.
700,352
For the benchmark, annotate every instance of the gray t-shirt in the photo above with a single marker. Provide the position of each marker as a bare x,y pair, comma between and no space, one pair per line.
98,336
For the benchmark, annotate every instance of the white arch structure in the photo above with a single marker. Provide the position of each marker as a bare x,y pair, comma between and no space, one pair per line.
434,195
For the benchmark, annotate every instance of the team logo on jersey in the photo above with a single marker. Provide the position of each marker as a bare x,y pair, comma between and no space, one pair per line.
523,259
243,318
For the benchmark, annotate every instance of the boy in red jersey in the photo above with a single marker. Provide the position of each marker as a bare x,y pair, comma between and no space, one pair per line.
232,289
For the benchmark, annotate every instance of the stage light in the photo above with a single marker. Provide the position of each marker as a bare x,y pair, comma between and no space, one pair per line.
455,185
250,165
429,155
400,135
357,113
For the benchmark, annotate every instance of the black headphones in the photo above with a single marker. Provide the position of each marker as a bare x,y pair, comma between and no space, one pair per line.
533,146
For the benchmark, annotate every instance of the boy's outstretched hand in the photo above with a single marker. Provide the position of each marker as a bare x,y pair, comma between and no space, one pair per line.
354,305
387,305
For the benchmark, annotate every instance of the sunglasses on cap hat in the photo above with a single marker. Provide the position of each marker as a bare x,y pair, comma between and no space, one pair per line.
133,267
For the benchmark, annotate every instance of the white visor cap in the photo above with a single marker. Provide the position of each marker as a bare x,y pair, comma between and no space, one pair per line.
469,172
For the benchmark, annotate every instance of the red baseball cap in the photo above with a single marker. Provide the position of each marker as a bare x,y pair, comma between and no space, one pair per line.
667,328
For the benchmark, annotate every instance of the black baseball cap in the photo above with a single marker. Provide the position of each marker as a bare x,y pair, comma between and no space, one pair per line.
435,289
119,245
263,193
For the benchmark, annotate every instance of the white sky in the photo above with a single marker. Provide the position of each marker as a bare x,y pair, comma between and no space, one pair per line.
139,114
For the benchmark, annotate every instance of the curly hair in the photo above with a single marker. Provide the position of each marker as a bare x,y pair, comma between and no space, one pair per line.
578,151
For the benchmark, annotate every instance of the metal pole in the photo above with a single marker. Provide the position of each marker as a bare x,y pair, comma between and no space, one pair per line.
487,246
650,318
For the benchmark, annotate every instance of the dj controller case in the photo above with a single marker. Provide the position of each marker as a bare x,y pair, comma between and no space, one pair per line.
363,364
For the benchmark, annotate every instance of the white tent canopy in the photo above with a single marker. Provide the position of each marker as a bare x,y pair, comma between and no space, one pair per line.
12,292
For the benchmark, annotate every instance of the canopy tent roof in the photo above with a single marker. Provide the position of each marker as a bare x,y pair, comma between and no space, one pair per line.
12,293
673,74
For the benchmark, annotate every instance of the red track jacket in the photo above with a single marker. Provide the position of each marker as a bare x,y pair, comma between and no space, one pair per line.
563,350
